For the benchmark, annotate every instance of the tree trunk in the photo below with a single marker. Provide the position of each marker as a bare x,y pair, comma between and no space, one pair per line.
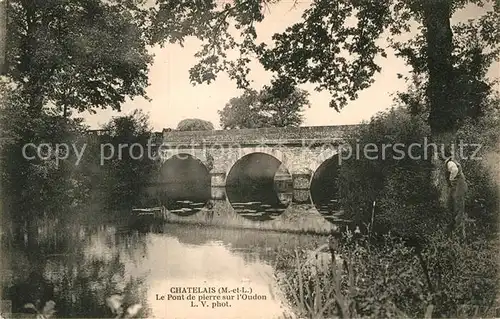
438,35
3,37
442,117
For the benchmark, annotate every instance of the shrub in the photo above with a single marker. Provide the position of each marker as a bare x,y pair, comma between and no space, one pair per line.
371,281
405,200
464,275
194,125
387,279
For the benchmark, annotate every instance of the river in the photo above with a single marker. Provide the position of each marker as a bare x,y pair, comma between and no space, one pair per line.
173,271
79,266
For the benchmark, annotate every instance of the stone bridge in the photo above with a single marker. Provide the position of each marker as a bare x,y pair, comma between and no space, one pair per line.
219,165
301,150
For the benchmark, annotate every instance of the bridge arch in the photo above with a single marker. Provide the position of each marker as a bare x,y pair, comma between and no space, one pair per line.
258,185
244,152
183,184
321,158
168,154
324,185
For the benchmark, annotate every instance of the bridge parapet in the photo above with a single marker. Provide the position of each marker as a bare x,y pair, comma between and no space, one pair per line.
269,136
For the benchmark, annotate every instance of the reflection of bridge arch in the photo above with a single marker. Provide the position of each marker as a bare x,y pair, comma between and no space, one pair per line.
183,184
253,166
325,188
256,186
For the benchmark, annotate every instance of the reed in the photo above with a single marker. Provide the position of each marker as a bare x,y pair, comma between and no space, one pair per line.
372,282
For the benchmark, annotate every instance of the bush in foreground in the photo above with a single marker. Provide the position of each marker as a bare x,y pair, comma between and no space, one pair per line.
449,279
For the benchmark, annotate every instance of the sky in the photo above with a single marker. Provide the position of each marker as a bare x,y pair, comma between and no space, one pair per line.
174,98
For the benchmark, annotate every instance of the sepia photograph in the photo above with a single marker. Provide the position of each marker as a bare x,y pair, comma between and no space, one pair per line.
249,159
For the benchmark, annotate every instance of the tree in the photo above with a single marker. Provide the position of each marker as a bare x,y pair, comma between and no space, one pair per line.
241,112
194,125
77,55
130,169
335,45
61,56
273,106
36,183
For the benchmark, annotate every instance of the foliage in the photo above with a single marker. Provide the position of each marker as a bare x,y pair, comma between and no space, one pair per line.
480,164
393,176
127,126
30,186
465,274
367,282
386,279
398,179
474,53
242,112
336,46
271,107
131,166
194,125
63,55
77,54
55,188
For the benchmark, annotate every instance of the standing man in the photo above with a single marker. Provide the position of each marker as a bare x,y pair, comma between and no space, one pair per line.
457,189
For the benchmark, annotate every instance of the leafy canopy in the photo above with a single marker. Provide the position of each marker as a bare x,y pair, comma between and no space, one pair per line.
77,54
336,43
274,106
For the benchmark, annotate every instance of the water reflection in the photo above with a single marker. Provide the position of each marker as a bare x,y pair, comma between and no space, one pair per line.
77,279
104,261
259,187
184,199
325,190
258,202
183,186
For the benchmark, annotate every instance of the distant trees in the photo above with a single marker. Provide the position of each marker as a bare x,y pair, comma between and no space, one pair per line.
194,125
273,106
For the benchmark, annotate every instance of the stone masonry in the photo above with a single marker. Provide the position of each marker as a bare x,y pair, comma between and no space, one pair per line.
301,150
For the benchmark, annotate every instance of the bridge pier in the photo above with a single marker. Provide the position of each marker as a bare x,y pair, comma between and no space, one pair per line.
218,179
301,181
218,193
301,196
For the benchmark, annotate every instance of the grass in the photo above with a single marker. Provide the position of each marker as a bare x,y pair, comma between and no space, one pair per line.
358,286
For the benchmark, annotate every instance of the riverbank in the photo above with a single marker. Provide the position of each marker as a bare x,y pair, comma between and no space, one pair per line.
448,278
